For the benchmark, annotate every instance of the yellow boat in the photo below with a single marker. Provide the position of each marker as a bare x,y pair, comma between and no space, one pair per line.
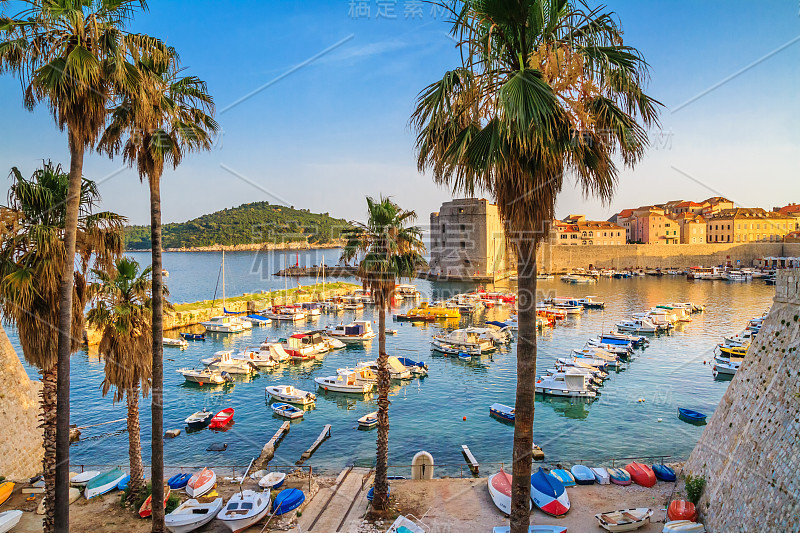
734,351
5,491
426,311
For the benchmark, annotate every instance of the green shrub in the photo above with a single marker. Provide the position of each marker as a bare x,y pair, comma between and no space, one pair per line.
694,487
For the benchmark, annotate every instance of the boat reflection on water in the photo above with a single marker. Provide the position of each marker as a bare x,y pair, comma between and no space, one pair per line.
346,401
574,408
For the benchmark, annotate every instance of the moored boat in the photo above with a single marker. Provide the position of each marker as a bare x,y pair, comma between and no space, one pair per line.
286,411
221,419
690,415
501,411
348,384
178,343
358,331
289,394
199,420
369,420
205,376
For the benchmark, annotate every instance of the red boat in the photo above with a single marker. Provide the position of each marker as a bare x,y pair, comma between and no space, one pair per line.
147,507
641,474
222,419
682,510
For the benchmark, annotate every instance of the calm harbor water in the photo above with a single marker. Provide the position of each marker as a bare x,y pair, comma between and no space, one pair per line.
428,414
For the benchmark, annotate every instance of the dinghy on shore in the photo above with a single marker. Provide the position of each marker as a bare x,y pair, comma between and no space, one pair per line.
681,510
103,483
532,529
548,493
191,515
683,526
583,474
601,475
9,519
564,477
625,520
244,509
641,474
201,482
287,500
619,476
664,473
84,477
500,491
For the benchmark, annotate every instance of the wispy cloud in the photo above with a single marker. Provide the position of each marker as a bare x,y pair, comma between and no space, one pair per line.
356,51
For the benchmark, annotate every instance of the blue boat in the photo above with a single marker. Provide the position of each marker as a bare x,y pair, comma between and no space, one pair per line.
178,481
124,482
548,493
564,477
287,500
371,493
664,473
583,474
258,319
502,412
405,361
689,415
465,357
193,336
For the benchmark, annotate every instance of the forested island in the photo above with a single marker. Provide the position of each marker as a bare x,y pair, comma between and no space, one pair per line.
248,226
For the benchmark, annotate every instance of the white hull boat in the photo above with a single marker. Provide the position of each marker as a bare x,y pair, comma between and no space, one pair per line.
601,475
204,376
257,356
625,520
224,361
244,509
201,482
637,326
191,515
348,384
178,343
288,394
223,324
683,526
273,479
567,384
728,367
9,519
358,331
83,478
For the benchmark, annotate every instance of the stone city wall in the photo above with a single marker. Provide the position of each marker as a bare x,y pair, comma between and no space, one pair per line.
563,258
21,448
749,453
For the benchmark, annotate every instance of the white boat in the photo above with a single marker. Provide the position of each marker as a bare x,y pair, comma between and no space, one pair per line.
727,367
369,420
362,374
358,331
178,343
407,291
333,344
737,275
440,345
624,520
83,478
201,482
683,526
348,384
331,306
618,349
593,352
397,370
224,361
403,524
286,410
640,325
191,515
567,384
272,479
289,394
352,303
569,308
745,337
311,309
260,356
601,475
532,529
204,376
305,345
9,519
223,324
287,313
589,372
244,509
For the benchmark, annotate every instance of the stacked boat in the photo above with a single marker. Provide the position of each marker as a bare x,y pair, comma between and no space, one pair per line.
730,353
472,341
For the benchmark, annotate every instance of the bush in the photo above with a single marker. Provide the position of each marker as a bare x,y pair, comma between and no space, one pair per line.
694,488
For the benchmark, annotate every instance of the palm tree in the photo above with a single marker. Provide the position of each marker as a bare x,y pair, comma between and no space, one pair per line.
75,56
546,90
391,250
32,255
122,311
171,116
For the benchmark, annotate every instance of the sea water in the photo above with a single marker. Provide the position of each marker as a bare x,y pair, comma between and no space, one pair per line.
448,408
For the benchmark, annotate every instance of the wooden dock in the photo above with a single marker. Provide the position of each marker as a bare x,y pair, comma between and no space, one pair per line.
268,451
325,435
472,463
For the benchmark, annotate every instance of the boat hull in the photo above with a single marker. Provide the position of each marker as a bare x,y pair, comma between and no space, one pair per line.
195,515
103,483
201,483
549,494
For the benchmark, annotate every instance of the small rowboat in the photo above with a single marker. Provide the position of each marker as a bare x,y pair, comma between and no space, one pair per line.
244,509
625,520
221,419
688,415
199,420
532,529
147,507
5,491
287,500
9,519
503,412
641,474
619,476
664,473
179,481
201,482
500,490
84,477
371,493
564,477
583,474
683,526
286,411
192,515
601,475
549,494
369,420
681,510
193,336
124,482
273,480
103,483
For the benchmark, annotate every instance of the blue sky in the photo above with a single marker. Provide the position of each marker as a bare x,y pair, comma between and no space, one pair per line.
329,124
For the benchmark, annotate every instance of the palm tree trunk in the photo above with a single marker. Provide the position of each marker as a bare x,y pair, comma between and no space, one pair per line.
134,445
61,511
381,499
526,387
157,409
48,425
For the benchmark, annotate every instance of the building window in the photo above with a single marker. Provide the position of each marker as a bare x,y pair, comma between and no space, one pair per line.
591,234
463,244
463,227
563,236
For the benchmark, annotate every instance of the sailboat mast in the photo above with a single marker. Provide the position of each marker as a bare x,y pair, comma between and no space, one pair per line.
223,281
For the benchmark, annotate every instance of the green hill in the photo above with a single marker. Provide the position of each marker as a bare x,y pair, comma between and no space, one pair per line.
255,223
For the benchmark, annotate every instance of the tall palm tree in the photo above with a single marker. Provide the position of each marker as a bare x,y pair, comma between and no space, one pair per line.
547,89
391,250
122,311
32,256
171,116
75,56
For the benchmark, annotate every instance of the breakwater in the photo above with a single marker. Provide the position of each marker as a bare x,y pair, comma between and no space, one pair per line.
561,258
